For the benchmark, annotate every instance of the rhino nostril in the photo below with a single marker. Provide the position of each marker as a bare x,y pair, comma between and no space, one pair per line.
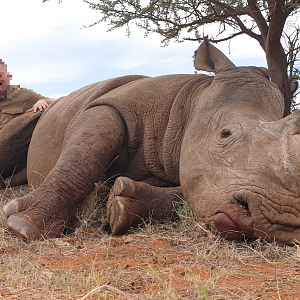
244,204
241,203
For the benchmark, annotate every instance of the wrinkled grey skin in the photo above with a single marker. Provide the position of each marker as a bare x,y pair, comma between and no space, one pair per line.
220,138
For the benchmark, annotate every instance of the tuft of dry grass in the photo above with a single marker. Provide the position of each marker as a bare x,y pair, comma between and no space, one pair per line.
91,214
187,261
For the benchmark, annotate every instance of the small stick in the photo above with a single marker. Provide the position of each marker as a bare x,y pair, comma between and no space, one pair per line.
109,288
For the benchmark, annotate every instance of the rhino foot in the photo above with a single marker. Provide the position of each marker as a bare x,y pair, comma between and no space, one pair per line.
131,202
11,208
121,216
29,221
23,227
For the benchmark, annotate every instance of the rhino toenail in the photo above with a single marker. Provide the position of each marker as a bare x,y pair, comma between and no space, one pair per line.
24,229
11,208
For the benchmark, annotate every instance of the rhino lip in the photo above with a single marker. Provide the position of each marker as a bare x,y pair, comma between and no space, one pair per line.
234,220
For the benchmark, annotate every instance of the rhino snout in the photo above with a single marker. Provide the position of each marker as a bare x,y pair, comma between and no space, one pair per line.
259,214
233,220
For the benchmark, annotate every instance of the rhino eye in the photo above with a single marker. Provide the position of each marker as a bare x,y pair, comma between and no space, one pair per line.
225,133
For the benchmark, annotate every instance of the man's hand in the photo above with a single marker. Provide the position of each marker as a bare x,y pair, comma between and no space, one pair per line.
41,105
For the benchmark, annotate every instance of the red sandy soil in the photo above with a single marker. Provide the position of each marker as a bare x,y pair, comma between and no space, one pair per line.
132,254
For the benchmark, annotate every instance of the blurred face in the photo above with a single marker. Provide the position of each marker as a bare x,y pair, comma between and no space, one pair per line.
5,78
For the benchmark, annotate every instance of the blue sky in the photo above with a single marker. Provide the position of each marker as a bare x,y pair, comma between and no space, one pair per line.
46,48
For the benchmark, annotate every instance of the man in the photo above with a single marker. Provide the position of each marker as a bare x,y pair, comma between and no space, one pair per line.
15,101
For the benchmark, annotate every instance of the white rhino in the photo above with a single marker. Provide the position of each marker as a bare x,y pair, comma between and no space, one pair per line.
219,140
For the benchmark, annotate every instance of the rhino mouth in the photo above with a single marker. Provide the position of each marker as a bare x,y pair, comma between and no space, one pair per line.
234,220
245,216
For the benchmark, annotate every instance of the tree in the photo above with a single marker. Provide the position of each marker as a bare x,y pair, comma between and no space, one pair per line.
292,43
262,20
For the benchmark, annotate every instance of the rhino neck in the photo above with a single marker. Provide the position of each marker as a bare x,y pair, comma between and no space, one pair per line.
180,113
155,123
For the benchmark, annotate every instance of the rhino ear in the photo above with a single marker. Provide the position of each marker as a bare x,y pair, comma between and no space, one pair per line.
209,58
294,83
265,72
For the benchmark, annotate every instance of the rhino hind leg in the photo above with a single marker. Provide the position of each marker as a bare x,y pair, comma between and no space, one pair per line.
17,179
14,142
131,202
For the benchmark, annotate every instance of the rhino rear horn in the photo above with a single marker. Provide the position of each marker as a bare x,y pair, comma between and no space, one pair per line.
209,58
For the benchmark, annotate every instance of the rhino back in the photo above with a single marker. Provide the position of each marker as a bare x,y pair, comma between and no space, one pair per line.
155,112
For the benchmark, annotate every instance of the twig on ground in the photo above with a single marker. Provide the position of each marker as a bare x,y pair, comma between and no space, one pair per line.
257,252
277,281
109,288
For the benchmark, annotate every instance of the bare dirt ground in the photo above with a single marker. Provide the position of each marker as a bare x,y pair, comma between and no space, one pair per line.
170,260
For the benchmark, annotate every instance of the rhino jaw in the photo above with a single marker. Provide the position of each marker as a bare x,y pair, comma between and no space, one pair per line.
233,221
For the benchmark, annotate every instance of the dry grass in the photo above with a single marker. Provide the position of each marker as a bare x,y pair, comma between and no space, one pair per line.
169,260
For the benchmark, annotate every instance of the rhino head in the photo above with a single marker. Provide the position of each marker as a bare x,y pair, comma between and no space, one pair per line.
242,175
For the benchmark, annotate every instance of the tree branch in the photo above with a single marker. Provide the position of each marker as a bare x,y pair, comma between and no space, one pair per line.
215,40
276,57
258,18
230,9
250,32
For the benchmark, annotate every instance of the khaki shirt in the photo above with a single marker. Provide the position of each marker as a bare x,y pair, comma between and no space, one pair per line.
16,103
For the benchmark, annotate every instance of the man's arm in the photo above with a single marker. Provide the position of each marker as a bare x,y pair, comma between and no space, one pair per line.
41,105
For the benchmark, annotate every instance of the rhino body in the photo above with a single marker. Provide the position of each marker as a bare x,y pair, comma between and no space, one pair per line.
219,140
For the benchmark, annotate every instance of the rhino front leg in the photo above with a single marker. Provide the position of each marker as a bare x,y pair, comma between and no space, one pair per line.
131,202
92,141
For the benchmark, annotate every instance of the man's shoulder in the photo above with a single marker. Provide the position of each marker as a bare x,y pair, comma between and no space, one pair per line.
16,92
13,91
